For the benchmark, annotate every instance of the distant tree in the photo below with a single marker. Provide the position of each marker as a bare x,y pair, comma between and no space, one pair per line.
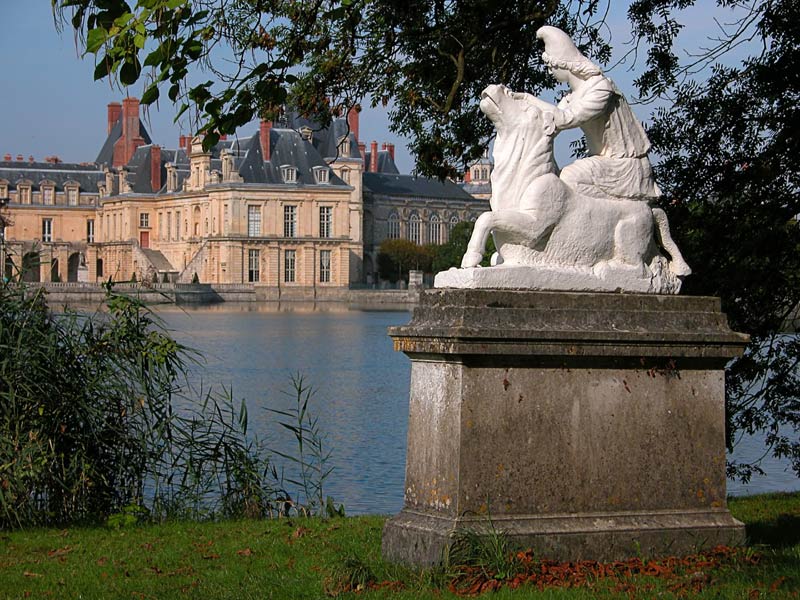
397,257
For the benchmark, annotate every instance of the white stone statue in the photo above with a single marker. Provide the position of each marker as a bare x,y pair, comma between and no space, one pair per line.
587,228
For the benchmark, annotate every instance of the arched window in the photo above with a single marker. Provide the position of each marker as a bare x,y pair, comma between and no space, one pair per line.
414,229
453,222
435,230
393,229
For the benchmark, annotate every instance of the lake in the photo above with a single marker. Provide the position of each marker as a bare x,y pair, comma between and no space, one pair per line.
361,388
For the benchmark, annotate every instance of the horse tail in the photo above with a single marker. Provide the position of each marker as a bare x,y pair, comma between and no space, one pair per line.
677,265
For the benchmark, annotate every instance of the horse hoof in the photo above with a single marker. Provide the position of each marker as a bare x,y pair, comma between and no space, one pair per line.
471,259
680,268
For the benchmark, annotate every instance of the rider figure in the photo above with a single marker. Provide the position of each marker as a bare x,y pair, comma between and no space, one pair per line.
617,166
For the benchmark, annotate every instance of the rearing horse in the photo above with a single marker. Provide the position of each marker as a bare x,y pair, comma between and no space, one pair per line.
536,219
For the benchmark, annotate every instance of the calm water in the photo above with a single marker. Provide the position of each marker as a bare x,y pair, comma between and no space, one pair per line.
362,388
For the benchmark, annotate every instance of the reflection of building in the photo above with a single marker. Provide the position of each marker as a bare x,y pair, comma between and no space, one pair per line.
283,209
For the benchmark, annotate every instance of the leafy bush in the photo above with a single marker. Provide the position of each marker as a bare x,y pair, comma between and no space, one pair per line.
89,429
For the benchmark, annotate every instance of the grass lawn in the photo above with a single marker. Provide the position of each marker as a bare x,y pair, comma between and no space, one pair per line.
299,558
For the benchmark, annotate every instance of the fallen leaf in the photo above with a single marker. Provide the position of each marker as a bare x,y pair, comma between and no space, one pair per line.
245,552
59,552
300,532
210,556
102,560
29,574
776,584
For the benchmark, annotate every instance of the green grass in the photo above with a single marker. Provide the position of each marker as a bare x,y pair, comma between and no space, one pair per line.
306,558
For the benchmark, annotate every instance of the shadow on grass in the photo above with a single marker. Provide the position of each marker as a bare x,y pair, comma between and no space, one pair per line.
782,532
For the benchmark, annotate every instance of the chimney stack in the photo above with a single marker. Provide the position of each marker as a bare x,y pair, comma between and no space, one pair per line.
155,168
467,176
114,112
30,159
352,120
20,158
131,137
7,157
373,157
362,149
390,148
264,131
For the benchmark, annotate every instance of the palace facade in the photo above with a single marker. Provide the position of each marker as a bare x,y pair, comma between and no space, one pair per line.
291,208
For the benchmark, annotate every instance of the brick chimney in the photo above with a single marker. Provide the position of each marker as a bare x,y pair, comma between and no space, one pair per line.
114,113
30,159
264,130
390,148
352,120
131,137
468,176
182,142
362,149
373,157
7,157
223,137
155,168
20,158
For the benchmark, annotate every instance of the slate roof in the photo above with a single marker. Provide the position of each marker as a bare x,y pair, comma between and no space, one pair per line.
106,156
477,188
324,139
408,185
386,163
87,176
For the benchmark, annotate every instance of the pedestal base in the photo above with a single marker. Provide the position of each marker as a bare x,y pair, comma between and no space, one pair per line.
417,538
585,426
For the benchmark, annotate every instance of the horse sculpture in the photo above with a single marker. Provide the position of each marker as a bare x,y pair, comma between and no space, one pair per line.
548,236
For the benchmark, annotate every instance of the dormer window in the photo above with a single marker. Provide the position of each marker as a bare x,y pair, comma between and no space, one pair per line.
24,192
48,193
71,191
345,175
306,133
289,174
3,188
344,146
321,174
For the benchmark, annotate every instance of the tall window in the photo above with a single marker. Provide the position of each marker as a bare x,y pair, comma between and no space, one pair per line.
161,225
253,265
169,225
325,221
144,220
47,230
453,222
393,232
48,194
253,220
324,266
24,194
345,175
289,221
72,196
414,233
289,260
90,231
435,230
177,224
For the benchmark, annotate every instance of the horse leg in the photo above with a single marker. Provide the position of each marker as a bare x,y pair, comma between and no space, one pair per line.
631,238
677,265
516,227
477,242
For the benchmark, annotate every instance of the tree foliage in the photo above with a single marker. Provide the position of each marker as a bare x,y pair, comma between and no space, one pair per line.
729,169
426,59
397,257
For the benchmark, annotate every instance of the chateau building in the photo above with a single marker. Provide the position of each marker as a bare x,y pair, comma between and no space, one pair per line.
291,209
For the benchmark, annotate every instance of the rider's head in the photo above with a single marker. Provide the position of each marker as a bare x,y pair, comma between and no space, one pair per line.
561,54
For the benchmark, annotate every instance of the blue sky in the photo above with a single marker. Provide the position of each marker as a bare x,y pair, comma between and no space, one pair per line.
52,106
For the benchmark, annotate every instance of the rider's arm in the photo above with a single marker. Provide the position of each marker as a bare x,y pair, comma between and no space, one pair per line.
573,112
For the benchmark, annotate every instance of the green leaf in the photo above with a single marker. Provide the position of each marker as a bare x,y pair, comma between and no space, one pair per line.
154,58
95,39
150,94
102,69
129,73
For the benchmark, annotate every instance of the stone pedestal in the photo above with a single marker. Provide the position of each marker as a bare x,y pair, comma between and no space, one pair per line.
584,425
